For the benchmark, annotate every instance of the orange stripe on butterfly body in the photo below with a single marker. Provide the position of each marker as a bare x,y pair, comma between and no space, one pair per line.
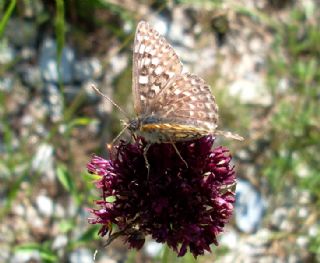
173,128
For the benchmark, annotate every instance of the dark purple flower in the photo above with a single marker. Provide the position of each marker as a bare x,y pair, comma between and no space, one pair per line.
185,207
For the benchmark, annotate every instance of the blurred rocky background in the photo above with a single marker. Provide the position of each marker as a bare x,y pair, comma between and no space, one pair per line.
262,60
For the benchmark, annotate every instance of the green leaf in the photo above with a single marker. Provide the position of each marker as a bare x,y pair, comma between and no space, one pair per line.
78,122
46,254
29,247
66,225
6,16
110,199
90,234
83,121
65,179
88,177
60,28
131,257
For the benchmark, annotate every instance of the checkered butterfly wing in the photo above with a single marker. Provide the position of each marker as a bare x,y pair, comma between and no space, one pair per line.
188,100
155,63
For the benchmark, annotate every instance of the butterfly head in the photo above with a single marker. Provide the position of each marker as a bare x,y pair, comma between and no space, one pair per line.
133,124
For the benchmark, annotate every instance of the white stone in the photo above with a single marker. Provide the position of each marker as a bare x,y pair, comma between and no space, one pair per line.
104,259
25,256
118,64
314,230
249,208
48,62
153,248
81,255
160,24
60,241
302,241
230,239
43,159
251,91
303,212
7,53
45,205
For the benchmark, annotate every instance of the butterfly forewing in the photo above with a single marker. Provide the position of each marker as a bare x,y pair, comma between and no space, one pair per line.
155,63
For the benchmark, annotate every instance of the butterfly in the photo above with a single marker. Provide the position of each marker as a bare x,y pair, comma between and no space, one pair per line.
170,106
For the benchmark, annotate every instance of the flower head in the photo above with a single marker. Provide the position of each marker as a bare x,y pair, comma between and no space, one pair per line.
183,206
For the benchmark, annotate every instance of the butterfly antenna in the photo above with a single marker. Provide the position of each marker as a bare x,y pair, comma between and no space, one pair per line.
230,135
118,136
110,100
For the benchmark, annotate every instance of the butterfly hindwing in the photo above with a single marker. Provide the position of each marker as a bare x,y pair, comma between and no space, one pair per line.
188,99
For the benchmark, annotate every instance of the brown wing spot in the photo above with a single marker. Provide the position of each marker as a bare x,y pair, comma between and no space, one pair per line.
202,115
200,105
195,90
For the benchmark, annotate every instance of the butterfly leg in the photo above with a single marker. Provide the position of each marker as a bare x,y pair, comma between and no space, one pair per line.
177,151
146,158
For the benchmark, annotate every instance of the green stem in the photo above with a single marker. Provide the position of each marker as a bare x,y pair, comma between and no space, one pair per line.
60,37
166,254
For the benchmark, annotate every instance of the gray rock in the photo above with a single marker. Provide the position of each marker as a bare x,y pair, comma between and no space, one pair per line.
7,53
118,63
19,97
54,102
281,220
31,76
180,24
34,9
6,84
32,123
71,92
5,252
87,69
27,53
248,248
249,208
19,210
5,171
209,55
72,209
49,66
21,32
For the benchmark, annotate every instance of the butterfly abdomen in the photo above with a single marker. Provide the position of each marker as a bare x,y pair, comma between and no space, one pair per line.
157,130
